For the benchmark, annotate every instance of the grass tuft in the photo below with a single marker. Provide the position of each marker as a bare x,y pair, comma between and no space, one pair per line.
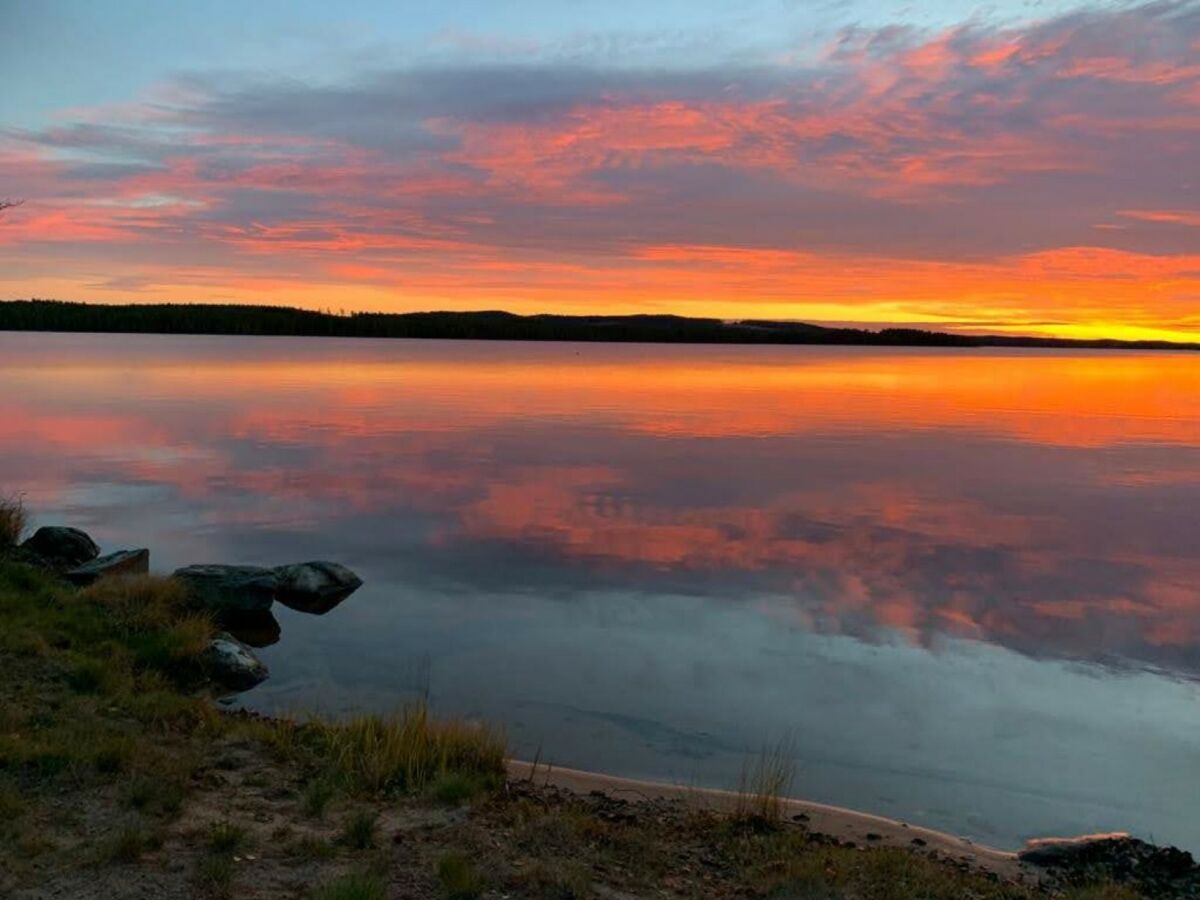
765,783
13,520
459,878
214,877
226,837
355,886
317,794
360,829
311,849
410,750
154,794
456,788
129,845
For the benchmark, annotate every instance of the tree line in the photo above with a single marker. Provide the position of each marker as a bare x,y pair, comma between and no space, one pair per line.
234,319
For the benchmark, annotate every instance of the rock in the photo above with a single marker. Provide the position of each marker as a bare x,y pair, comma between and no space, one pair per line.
230,589
254,629
315,587
1160,871
123,562
230,662
62,547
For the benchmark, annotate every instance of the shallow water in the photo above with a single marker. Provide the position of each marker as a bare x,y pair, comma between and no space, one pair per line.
965,584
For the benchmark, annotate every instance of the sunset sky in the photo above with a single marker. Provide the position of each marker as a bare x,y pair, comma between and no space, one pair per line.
1015,166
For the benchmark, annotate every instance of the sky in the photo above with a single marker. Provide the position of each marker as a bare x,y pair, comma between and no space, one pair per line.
1026,167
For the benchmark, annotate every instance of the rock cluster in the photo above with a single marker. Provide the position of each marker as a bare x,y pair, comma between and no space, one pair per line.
1150,870
239,597
312,587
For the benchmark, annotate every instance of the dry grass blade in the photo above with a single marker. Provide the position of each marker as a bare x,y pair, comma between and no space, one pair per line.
13,519
766,782
410,749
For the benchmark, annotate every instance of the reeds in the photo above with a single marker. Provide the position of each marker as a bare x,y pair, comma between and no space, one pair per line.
13,519
766,782
409,750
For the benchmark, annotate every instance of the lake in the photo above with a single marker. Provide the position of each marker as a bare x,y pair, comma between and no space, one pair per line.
965,584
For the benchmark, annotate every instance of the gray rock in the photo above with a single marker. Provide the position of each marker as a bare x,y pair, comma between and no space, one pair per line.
315,587
231,663
123,562
62,547
230,589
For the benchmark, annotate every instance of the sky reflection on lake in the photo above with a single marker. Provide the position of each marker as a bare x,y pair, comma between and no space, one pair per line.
966,582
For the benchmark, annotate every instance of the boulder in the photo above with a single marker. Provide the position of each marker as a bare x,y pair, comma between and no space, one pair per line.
231,663
230,589
62,547
123,562
315,587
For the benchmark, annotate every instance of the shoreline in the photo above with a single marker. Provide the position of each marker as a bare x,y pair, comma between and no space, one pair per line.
845,824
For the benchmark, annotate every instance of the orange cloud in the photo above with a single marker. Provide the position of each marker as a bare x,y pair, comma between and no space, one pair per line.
961,179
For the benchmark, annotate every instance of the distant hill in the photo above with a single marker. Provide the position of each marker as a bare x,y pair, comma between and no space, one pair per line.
187,318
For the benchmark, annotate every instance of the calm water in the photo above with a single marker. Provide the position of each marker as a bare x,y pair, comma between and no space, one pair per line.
967,584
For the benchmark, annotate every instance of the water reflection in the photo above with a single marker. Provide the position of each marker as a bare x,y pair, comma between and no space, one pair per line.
655,554
1043,502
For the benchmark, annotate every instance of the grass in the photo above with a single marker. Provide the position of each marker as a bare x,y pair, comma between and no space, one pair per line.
766,783
214,876
13,520
355,886
456,788
359,830
309,849
459,878
317,794
129,844
154,793
226,837
403,753
409,750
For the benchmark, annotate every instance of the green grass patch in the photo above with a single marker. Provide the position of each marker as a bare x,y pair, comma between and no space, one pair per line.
214,877
129,845
226,837
410,750
406,752
317,794
456,788
155,794
355,886
360,829
311,849
459,878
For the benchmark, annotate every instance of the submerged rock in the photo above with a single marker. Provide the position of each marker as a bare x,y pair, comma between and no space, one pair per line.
122,562
231,663
230,589
62,547
315,587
